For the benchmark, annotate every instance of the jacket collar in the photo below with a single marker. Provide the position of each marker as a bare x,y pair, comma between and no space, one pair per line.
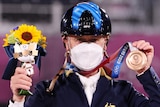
101,70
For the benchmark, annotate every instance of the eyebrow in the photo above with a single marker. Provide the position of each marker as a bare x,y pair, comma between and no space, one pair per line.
88,39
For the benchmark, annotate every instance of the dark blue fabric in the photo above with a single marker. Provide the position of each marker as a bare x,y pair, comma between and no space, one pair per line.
68,92
10,69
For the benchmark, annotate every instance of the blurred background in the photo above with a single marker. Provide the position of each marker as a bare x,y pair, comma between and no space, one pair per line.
131,20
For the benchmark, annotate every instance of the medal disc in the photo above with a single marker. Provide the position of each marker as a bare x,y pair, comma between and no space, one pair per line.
136,60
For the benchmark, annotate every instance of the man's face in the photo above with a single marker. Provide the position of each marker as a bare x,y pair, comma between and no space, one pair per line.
72,41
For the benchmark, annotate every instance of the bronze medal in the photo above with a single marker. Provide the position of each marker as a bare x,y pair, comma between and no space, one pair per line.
136,60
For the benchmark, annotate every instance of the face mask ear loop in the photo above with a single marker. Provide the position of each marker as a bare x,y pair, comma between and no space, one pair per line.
61,71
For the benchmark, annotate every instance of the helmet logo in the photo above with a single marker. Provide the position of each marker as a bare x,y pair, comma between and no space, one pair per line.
82,7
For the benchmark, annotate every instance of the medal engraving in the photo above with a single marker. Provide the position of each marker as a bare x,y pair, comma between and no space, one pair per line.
136,60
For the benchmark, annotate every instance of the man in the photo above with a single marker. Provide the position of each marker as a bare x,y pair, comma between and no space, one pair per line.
86,29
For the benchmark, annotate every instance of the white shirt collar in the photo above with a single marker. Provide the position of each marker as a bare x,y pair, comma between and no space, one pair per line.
89,85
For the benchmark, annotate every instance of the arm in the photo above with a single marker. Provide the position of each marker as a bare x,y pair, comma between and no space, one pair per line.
19,80
147,76
151,84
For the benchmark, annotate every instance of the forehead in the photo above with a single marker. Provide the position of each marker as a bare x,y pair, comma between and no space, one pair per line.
89,37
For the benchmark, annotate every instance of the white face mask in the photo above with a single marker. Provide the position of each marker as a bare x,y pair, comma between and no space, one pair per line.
86,56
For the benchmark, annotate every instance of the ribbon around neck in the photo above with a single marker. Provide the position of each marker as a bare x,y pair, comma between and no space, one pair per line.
120,56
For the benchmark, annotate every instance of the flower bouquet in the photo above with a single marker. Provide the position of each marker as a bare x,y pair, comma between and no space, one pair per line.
24,44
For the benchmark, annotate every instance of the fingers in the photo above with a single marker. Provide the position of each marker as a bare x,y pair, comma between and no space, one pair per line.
148,49
20,70
20,81
143,45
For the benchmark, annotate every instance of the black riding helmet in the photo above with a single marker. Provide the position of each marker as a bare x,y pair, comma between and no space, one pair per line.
86,18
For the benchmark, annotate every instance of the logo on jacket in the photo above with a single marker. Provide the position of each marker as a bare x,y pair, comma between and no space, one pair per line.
109,105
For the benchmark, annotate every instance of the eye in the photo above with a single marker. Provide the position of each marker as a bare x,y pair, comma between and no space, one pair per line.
79,40
76,39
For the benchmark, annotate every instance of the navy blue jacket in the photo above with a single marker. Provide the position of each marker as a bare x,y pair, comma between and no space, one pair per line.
68,92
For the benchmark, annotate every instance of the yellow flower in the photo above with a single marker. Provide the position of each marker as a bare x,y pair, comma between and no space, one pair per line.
25,34
5,41
10,39
42,42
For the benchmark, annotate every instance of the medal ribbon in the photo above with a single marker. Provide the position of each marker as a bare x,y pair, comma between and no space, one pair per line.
118,62
119,55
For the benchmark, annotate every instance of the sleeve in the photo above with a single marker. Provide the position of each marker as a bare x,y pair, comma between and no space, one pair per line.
40,97
151,84
15,104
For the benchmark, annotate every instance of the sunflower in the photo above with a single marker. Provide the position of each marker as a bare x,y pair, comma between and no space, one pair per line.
25,34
